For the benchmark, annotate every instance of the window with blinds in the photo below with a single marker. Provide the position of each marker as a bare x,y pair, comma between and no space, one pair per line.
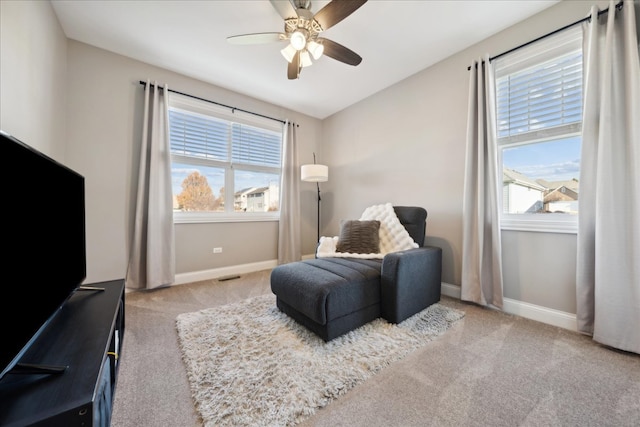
224,166
538,123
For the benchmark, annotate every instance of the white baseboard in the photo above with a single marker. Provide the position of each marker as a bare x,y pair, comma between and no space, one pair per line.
231,270
546,315
538,313
450,290
216,273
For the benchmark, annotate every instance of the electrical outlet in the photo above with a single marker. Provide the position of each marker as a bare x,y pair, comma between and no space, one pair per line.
217,250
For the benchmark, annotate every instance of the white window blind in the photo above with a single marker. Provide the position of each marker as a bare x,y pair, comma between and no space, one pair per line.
200,136
539,89
195,135
255,146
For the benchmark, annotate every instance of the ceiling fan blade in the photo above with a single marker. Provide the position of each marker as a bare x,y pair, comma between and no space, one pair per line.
340,53
336,11
284,8
257,38
293,69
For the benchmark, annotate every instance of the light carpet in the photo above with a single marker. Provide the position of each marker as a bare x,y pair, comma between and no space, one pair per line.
249,364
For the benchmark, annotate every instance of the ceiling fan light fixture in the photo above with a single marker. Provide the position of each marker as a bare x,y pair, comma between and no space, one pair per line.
302,28
316,49
305,59
298,40
288,53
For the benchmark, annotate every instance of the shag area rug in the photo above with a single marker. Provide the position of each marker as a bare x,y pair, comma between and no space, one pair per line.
251,365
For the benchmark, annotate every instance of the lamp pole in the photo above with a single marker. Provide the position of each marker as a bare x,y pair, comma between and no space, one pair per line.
318,185
315,173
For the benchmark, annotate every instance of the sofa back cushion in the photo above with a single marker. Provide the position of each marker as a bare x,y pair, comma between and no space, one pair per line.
413,218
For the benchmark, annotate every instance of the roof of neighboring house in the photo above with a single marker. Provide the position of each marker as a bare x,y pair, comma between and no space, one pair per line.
258,190
571,184
514,177
561,193
244,191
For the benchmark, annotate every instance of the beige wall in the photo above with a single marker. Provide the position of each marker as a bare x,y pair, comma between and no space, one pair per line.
33,67
406,145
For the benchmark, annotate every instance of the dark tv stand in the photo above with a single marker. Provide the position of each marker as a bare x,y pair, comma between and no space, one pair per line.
85,336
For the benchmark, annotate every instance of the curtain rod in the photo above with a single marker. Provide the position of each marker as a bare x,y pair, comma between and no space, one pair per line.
580,21
222,105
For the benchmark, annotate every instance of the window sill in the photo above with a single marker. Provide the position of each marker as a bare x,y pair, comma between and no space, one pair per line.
198,218
541,223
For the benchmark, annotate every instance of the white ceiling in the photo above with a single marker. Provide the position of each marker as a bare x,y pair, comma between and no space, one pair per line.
395,38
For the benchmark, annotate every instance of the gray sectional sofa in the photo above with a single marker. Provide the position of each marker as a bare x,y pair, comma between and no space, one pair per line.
332,296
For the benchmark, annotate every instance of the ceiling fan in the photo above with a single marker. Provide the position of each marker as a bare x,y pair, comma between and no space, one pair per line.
302,29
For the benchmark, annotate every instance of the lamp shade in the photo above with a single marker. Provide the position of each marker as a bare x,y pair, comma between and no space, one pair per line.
315,48
314,173
305,58
288,53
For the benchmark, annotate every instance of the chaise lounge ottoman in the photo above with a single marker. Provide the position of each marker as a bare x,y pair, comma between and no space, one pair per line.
332,296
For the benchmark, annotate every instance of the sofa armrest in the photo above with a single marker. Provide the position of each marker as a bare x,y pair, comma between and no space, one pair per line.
410,282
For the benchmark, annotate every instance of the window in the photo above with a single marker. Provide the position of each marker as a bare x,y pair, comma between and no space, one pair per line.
225,165
539,120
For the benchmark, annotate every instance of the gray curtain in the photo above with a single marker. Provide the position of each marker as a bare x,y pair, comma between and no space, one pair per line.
608,263
152,260
481,246
289,244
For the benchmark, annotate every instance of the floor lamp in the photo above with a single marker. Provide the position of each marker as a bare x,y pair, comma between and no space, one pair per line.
315,173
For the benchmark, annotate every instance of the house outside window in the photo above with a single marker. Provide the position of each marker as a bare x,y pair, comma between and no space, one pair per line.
225,165
539,122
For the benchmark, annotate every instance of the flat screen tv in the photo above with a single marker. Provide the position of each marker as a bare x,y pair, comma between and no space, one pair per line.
44,257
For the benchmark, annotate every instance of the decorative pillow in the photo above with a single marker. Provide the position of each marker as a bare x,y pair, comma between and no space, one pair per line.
359,237
327,249
393,236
